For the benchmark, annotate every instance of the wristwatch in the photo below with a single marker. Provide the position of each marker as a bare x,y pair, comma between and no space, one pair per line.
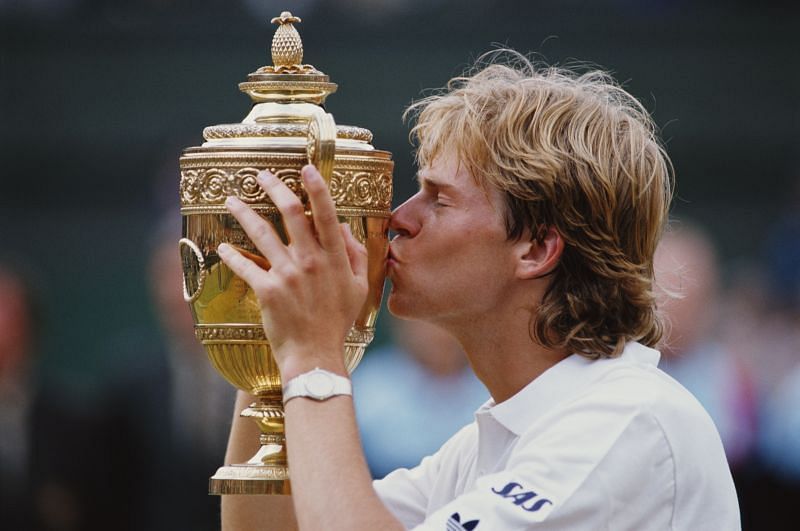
317,384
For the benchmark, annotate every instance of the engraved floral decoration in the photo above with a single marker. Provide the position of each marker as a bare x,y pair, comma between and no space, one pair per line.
291,178
363,189
348,188
214,185
383,186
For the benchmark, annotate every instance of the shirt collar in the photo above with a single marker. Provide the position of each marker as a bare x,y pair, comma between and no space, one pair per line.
557,384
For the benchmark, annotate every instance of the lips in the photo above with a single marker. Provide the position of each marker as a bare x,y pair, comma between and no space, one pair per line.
391,260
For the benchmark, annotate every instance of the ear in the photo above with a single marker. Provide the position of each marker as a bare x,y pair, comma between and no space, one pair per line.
538,257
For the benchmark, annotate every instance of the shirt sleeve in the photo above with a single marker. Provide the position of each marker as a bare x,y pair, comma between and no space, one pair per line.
406,492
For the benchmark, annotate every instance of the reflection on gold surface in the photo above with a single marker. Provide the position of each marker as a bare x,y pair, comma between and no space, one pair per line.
286,129
235,303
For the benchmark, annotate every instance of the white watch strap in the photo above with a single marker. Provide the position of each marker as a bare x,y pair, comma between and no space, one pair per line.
317,384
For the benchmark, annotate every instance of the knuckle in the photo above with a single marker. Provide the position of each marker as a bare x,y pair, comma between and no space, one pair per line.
292,208
327,217
260,231
308,264
291,277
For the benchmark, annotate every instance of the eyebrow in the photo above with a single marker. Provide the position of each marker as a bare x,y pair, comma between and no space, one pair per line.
433,182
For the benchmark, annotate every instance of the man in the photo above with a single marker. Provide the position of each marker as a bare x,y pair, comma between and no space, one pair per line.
542,198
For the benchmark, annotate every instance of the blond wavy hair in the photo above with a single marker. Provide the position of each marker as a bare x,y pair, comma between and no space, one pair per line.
572,151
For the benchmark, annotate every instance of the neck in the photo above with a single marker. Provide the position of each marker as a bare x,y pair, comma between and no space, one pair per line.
501,351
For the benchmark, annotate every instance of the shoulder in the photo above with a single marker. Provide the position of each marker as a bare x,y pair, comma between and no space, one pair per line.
635,392
637,406
626,389
633,435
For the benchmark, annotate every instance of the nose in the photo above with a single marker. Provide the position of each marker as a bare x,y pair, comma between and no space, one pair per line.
405,220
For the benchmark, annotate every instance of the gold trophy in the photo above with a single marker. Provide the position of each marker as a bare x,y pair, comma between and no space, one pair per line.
286,128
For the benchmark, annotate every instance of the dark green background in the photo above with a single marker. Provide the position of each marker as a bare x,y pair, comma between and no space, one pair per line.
96,102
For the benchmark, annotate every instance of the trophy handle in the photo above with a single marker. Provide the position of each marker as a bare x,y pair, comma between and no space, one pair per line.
321,146
194,269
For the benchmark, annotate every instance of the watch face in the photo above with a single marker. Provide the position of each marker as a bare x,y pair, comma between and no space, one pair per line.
319,385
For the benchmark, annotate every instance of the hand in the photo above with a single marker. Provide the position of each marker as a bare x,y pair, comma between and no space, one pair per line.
316,285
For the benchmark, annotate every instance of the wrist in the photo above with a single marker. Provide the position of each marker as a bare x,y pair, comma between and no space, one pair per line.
301,361
317,384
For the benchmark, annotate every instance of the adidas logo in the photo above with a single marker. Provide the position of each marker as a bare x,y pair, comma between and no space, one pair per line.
454,523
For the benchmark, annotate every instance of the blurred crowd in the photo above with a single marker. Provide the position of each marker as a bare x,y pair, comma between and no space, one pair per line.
135,455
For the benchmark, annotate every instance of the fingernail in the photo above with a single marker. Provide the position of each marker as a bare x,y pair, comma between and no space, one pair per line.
231,201
223,248
264,175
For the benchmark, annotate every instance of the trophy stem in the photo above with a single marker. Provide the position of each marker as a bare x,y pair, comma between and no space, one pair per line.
267,471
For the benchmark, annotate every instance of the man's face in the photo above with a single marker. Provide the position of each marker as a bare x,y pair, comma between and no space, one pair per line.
451,259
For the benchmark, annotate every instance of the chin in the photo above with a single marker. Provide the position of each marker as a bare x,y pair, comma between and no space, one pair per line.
399,306
407,306
393,306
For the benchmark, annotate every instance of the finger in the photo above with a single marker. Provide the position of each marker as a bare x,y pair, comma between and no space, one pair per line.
260,231
298,228
244,268
356,253
324,211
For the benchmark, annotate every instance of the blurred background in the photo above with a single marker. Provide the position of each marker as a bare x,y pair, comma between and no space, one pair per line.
98,366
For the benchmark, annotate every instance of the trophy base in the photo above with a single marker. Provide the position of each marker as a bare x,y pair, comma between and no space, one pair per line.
250,479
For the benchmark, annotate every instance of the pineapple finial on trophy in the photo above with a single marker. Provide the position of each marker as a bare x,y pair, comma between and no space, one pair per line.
287,47
287,79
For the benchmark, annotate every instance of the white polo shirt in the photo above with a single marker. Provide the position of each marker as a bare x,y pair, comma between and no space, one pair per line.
612,444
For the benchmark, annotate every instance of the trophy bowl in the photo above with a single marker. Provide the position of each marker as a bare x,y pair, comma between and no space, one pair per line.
286,129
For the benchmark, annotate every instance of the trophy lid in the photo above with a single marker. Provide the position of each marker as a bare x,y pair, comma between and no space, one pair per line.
285,96
287,79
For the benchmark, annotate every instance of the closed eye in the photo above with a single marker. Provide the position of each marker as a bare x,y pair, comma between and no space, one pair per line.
439,202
